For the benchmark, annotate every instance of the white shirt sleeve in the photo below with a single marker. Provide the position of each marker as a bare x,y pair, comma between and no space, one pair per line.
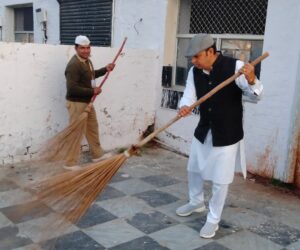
189,94
251,92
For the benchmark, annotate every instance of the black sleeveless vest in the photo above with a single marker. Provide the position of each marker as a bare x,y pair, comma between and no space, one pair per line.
223,112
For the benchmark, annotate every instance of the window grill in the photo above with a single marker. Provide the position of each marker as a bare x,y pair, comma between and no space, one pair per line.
228,16
237,27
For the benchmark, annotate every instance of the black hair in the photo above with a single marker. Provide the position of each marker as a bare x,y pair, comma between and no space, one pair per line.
214,47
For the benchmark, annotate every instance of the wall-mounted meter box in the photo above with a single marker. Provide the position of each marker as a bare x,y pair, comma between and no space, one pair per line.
41,15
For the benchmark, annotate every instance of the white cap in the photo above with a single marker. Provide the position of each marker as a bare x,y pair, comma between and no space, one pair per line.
82,40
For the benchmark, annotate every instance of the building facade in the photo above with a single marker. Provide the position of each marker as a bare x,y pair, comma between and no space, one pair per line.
242,30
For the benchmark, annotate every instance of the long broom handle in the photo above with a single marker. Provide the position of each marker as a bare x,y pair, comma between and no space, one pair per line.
201,100
108,72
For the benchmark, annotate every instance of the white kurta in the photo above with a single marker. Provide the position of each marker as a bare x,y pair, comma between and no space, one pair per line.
218,164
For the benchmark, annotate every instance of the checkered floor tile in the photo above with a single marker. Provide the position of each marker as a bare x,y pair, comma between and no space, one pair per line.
136,211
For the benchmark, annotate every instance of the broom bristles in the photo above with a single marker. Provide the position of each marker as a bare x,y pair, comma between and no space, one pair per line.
71,193
65,142
68,196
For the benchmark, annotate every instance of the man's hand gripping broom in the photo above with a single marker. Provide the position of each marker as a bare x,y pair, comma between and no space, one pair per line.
72,193
69,139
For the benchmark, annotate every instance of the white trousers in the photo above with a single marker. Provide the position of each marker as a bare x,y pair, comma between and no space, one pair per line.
217,201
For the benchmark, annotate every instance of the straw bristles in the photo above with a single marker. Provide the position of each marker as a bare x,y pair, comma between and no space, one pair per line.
65,142
70,194
64,198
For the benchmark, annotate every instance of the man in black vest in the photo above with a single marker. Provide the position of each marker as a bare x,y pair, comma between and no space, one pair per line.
217,146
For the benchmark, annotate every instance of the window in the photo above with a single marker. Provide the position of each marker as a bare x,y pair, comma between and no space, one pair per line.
242,47
237,27
23,24
92,18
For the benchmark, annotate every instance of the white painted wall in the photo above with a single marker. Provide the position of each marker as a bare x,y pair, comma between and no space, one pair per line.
142,76
147,24
32,96
52,8
270,125
142,21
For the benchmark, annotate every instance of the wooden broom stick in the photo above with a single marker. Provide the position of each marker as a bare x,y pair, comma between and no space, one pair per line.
69,139
108,72
201,100
71,193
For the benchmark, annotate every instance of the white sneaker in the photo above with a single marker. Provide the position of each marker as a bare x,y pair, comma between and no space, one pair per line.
72,168
103,157
188,209
209,230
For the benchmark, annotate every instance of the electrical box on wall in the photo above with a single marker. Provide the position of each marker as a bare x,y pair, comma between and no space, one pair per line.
1,28
166,80
41,15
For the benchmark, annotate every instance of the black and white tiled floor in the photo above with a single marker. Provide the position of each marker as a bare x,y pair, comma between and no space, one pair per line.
136,211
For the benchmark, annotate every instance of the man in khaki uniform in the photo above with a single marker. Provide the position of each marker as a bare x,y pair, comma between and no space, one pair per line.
80,76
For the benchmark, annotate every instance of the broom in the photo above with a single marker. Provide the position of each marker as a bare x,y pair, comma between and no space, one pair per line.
72,193
69,139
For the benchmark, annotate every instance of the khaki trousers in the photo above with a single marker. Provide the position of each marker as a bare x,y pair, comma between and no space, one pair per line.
91,133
